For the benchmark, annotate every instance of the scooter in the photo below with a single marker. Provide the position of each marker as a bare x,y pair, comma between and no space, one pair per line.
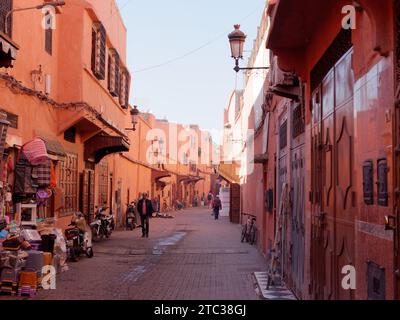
78,243
102,226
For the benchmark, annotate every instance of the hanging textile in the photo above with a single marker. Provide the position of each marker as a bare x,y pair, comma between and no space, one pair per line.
41,173
24,182
36,152
53,181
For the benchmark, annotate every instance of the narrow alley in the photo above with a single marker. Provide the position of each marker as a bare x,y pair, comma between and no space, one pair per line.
189,257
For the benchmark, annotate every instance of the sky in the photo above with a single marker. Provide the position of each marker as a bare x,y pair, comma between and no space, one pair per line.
179,56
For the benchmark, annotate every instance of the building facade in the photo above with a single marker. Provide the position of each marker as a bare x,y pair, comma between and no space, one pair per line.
330,164
65,82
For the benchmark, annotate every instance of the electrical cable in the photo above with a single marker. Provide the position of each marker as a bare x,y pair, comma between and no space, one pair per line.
191,52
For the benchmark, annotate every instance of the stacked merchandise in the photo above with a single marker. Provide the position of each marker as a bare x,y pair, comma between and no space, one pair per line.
33,237
24,253
27,285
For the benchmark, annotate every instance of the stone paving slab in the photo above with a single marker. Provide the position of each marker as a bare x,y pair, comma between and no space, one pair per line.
274,293
186,258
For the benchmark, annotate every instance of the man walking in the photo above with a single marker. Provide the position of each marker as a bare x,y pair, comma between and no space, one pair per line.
210,199
145,209
217,205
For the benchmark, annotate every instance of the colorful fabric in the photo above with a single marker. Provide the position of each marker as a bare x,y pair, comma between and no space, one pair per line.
42,173
36,152
53,181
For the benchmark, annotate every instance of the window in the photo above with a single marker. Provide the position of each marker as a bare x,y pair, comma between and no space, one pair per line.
113,73
298,120
70,135
48,34
12,118
99,51
5,7
124,88
283,136
103,181
69,184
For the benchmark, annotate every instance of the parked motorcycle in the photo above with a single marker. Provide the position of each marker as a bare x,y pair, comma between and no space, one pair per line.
78,243
131,222
102,226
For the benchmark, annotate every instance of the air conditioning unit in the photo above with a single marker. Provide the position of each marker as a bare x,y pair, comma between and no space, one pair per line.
282,78
284,84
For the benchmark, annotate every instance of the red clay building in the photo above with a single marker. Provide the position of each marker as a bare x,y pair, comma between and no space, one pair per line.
350,81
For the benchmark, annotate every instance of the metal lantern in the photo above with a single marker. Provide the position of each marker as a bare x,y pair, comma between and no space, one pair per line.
134,117
237,39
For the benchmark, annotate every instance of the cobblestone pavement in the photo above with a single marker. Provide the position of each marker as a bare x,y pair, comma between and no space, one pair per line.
189,257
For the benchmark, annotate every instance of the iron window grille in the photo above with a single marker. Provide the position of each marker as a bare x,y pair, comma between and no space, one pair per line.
99,51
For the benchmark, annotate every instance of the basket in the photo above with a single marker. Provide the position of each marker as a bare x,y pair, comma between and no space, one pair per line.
48,242
47,259
28,279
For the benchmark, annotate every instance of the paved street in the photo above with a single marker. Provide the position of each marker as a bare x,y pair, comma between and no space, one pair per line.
189,257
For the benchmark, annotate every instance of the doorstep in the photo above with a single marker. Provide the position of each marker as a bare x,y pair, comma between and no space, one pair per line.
274,293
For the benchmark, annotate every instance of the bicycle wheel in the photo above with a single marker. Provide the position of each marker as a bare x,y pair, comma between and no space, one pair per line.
252,236
243,235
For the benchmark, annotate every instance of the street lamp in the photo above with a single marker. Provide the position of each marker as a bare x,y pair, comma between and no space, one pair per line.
38,7
237,39
134,118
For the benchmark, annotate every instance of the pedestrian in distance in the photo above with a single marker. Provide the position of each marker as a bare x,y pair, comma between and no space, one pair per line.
145,209
217,206
210,199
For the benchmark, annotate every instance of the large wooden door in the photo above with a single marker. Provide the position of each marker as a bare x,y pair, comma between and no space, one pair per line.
333,182
87,194
397,153
297,199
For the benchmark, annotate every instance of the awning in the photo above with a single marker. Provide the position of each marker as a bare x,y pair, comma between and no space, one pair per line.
8,51
156,175
99,146
181,178
161,185
228,171
54,147
193,180
260,158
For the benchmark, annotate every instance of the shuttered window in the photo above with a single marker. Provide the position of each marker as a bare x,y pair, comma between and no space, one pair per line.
283,136
69,184
102,182
298,121
99,51
48,35
5,7
124,88
113,73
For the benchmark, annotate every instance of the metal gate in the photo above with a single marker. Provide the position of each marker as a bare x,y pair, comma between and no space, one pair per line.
332,196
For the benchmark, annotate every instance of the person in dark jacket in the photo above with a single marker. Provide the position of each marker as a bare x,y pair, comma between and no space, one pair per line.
145,209
217,205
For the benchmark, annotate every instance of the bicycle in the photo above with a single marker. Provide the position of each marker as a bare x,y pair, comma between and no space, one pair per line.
249,230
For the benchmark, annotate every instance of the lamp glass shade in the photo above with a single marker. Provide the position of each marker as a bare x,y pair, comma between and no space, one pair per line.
134,115
237,39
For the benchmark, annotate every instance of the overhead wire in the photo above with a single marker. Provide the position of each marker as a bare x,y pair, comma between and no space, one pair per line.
191,52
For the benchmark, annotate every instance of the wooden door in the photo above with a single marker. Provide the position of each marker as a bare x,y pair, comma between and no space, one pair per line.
397,153
333,197
297,229
87,194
